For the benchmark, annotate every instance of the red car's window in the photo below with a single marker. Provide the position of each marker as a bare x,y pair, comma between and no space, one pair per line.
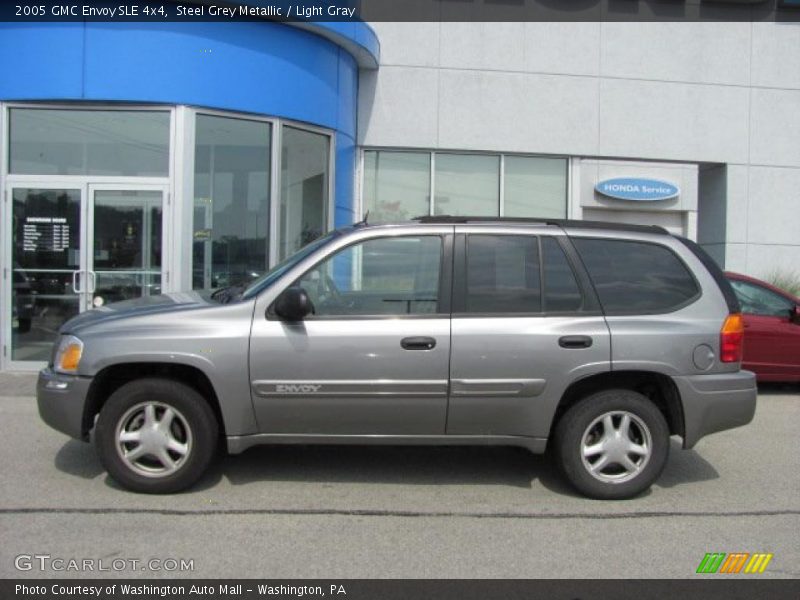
757,300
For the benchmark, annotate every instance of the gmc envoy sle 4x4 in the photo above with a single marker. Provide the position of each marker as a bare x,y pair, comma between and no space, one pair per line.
600,340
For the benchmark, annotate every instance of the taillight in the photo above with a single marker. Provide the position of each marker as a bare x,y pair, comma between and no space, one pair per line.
731,339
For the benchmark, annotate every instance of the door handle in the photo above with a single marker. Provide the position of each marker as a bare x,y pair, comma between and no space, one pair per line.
418,343
91,277
575,341
75,275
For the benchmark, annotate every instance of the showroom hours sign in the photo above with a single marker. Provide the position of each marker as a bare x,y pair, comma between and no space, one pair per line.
45,234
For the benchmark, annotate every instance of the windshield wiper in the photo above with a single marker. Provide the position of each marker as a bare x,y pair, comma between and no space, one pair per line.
227,294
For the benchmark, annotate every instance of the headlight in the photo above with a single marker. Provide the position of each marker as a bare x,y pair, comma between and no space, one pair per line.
68,355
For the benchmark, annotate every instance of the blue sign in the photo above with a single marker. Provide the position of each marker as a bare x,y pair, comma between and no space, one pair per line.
637,189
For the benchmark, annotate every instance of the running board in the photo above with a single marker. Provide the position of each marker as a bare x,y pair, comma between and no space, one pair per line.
240,443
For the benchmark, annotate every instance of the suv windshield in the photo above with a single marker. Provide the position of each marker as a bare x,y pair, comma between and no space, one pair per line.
275,272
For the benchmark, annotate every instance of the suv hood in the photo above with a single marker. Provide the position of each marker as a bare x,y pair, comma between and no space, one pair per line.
150,305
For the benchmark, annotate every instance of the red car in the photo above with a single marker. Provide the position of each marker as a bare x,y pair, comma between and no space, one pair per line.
772,329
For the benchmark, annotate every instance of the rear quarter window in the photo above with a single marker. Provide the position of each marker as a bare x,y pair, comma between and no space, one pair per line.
636,277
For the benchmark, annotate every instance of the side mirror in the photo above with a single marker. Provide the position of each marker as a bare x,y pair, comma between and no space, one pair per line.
293,304
794,315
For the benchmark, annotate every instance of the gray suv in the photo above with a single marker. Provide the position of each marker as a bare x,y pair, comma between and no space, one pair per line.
598,340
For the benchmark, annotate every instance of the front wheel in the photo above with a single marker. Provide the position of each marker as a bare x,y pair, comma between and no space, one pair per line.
612,445
156,436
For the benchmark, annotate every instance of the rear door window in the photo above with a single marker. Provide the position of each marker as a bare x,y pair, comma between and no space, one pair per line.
503,274
561,290
636,277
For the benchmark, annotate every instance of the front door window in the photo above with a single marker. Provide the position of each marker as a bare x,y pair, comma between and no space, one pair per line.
386,276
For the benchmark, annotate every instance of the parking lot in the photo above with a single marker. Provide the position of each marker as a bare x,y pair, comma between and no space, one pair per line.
355,512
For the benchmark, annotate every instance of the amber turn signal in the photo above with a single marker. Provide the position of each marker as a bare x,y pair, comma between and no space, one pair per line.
69,355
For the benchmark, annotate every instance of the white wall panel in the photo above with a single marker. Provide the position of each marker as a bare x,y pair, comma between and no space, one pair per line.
686,52
763,260
673,121
408,44
773,216
563,48
483,46
775,127
516,112
736,258
398,107
775,55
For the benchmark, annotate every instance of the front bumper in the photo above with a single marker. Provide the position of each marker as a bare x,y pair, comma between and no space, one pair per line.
714,403
61,400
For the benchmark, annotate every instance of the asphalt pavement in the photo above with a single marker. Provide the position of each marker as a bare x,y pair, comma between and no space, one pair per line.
396,512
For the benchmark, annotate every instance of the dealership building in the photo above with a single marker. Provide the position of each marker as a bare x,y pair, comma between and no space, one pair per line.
142,158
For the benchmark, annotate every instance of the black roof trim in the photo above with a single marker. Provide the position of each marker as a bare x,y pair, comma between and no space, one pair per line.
563,223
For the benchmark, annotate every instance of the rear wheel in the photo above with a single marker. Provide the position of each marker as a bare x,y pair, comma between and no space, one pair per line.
612,445
156,436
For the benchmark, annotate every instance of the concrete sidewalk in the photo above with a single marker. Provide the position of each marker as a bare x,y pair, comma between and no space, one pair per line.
17,384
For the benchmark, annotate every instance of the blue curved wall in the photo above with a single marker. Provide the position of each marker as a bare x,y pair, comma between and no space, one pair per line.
261,67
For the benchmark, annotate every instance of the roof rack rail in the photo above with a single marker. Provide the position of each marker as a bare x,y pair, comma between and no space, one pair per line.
453,219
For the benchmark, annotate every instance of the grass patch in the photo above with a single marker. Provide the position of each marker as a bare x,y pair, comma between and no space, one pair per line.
786,280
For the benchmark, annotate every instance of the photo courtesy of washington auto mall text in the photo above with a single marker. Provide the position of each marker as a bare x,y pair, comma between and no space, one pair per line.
400,299
170,590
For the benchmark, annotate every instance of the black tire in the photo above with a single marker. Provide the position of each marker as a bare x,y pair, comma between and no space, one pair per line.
192,428
614,481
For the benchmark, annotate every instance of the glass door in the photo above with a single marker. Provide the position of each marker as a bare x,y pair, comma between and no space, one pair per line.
72,247
44,260
126,238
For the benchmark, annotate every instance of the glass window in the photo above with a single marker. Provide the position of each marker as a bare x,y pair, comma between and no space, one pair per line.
127,244
304,188
231,201
396,185
467,184
561,291
758,300
277,271
386,276
535,187
636,276
89,142
45,256
503,274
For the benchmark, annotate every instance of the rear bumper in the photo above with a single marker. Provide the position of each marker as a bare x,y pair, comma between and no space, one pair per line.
714,403
61,400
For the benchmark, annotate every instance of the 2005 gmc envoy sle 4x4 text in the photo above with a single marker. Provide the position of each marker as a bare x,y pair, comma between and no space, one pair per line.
600,340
